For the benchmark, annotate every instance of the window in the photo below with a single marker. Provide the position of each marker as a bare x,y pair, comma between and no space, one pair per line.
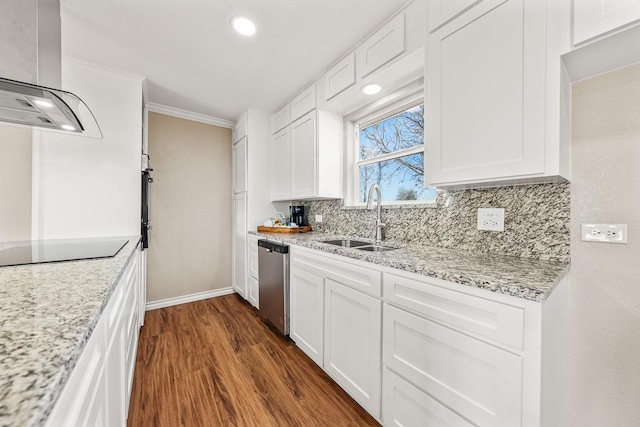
390,153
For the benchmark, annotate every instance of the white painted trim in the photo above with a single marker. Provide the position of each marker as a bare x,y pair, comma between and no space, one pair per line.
168,302
189,115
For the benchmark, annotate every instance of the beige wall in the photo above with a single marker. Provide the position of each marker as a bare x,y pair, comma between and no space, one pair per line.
605,285
190,208
15,183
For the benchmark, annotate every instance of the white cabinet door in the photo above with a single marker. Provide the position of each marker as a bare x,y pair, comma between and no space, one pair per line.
592,18
307,312
281,118
352,343
477,380
340,77
254,292
240,244
486,95
240,166
381,47
441,11
304,161
253,257
404,405
240,129
116,380
304,102
280,166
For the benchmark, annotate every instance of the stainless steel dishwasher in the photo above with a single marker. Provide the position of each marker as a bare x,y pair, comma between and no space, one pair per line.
273,271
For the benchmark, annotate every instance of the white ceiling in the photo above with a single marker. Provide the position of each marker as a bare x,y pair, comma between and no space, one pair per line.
195,62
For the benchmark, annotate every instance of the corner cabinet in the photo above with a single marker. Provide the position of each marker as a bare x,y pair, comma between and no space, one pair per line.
497,98
414,350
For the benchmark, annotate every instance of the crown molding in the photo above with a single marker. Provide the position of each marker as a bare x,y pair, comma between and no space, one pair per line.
189,115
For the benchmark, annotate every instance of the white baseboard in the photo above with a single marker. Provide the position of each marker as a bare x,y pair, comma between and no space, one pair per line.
168,302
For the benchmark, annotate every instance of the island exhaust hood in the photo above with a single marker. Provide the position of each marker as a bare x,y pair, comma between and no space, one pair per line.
31,71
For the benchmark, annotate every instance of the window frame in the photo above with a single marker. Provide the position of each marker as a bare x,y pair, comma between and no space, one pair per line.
366,117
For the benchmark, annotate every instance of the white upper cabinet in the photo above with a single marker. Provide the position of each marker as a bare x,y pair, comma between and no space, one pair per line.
240,129
304,102
280,165
303,157
281,118
311,166
441,11
592,18
494,97
240,165
381,47
340,77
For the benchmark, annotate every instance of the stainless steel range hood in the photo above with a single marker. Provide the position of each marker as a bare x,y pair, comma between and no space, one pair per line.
30,71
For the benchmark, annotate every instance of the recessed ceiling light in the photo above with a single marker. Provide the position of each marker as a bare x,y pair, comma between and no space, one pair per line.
67,127
243,25
43,103
371,89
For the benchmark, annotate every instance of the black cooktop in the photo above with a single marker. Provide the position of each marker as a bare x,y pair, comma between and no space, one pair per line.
38,252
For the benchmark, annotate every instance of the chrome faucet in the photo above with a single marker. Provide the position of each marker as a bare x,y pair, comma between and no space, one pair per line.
379,224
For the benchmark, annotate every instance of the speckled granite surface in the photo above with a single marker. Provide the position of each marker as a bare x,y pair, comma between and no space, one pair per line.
529,279
47,314
537,221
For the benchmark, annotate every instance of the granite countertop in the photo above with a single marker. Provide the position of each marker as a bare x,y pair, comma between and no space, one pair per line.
47,314
525,278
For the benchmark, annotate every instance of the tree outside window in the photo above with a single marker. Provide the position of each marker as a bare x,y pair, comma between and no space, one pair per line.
391,154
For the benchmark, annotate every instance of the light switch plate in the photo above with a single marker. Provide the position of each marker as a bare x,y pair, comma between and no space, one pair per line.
318,218
491,219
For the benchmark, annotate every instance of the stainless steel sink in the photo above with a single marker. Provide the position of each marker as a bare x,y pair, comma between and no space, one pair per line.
346,243
376,248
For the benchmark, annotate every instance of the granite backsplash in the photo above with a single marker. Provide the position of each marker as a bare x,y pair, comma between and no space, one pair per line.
536,221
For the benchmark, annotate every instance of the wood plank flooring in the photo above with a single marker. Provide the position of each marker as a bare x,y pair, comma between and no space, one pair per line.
215,363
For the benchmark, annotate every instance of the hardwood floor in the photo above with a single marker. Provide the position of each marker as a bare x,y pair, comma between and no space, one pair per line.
215,363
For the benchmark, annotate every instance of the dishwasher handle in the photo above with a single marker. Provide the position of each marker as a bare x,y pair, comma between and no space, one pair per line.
273,247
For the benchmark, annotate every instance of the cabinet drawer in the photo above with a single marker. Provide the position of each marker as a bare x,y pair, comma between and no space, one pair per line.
407,406
478,381
303,103
281,118
500,322
340,77
350,273
383,46
441,11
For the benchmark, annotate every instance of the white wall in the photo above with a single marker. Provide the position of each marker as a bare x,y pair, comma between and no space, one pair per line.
87,187
604,369
15,183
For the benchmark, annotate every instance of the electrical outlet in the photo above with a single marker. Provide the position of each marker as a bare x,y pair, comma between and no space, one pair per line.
604,233
491,219
318,218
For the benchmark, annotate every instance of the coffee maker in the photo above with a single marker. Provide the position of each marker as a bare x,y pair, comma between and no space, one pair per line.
297,215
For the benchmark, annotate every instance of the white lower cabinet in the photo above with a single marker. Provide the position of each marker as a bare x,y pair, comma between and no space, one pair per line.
99,387
307,312
449,355
352,338
405,405
239,270
479,381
